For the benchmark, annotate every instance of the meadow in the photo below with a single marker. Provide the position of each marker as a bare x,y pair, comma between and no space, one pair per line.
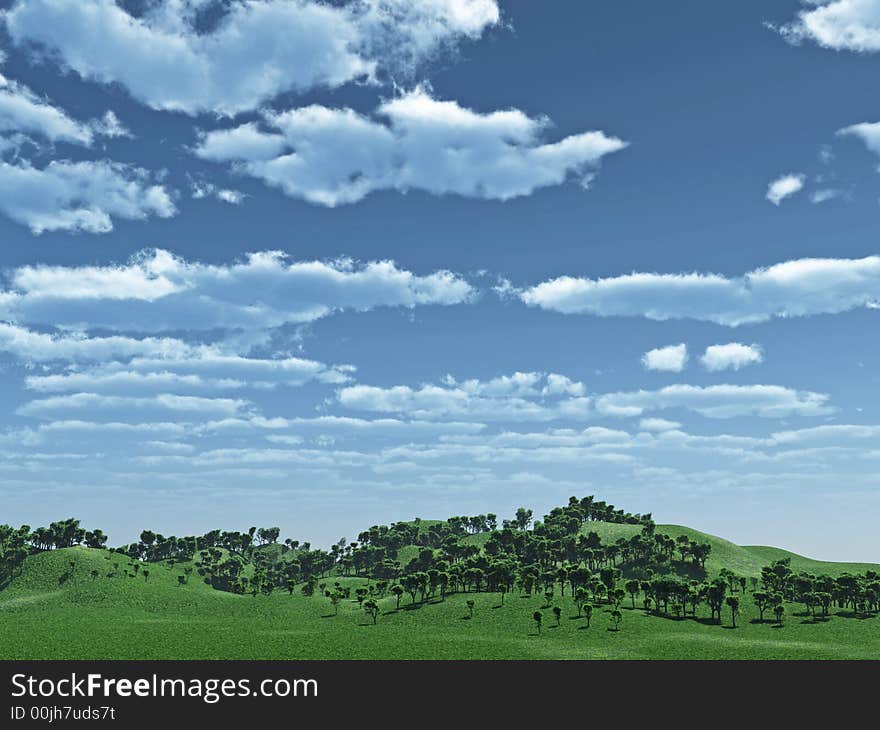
51,610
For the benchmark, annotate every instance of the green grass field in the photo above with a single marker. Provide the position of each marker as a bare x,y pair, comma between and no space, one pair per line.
130,618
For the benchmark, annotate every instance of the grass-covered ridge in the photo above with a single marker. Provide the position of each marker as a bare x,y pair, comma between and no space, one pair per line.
462,588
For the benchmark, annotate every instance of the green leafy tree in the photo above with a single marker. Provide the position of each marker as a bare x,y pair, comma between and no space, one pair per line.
779,611
557,613
632,587
763,601
398,591
580,599
616,618
372,609
538,618
733,604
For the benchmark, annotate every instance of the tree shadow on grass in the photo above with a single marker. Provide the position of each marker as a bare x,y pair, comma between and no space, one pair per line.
854,615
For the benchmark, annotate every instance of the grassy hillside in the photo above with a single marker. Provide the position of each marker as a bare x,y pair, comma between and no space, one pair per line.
742,560
46,616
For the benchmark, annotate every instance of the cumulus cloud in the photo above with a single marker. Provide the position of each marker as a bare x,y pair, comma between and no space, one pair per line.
201,189
39,347
337,156
22,111
257,49
161,405
718,401
671,359
784,187
658,424
518,397
157,291
79,196
867,132
206,369
850,25
797,288
731,356
65,195
823,195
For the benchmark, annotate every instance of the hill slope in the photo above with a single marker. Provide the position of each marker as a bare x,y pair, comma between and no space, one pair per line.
51,611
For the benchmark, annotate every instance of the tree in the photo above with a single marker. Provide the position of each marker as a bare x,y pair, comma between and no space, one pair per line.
398,591
372,608
523,518
580,599
616,617
557,612
548,596
762,603
181,580
335,598
733,605
715,597
779,610
470,607
538,618
411,584
632,587
588,613
146,574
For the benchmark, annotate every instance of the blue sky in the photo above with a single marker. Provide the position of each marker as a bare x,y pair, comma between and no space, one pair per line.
325,265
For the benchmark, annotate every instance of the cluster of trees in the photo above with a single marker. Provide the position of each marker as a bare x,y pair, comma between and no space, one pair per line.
661,574
858,593
154,547
17,543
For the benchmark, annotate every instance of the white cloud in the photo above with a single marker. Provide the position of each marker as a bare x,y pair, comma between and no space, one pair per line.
733,355
796,288
157,291
671,359
206,369
658,424
110,126
717,401
336,156
23,111
201,190
38,347
867,132
851,25
163,404
824,195
79,196
784,187
519,397
258,49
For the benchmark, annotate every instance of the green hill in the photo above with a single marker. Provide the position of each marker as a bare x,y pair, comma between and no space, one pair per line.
101,608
